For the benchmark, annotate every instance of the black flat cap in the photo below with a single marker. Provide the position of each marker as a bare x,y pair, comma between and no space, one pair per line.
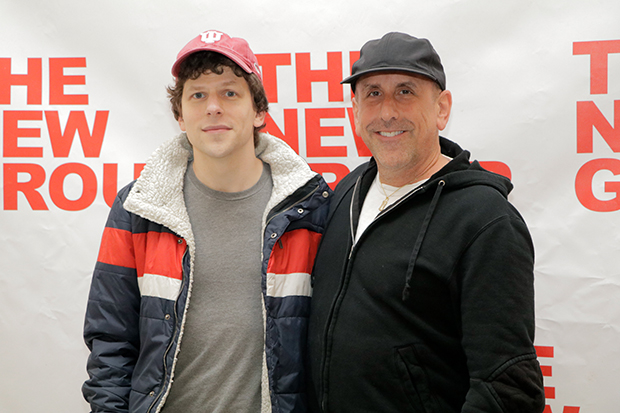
398,52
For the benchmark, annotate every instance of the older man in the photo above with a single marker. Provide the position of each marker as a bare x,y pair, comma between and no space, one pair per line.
423,284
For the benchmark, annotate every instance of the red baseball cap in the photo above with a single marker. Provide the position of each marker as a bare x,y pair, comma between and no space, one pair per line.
235,48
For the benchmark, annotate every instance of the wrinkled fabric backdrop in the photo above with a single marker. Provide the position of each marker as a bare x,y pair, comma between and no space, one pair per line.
536,89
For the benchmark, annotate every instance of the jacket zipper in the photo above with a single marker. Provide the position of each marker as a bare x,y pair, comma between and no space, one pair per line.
176,317
291,205
183,284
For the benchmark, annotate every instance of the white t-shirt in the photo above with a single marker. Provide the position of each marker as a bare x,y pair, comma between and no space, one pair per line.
375,198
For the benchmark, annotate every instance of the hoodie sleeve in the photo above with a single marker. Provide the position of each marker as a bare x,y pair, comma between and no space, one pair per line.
497,314
111,328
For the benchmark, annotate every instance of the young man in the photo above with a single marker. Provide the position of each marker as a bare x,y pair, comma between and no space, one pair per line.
423,285
222,216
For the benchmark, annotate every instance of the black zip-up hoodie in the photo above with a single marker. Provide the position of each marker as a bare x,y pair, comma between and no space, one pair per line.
433,309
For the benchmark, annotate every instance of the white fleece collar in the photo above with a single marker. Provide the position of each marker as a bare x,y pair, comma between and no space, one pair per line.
157,194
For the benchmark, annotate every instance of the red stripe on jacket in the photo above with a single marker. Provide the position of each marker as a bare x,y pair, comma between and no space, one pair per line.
153,252
294,252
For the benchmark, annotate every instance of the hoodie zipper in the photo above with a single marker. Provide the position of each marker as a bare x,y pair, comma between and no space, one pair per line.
342,287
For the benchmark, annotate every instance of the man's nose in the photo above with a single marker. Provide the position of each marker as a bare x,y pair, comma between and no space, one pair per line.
214,106
389,109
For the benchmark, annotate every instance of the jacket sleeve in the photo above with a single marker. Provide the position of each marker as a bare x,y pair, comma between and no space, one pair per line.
111,328
497,314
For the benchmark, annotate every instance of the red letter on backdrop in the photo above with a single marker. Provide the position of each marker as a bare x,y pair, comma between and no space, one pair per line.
598,52
314,132
497,167
269,64
583,185
58,80
89,187
353,57
306,76
589,116
32,80
567,409
291,128
29,188
12,132
110,182
61,142
137,169
362,149
337,169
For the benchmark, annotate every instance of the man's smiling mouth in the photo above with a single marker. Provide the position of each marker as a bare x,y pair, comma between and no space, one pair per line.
390,134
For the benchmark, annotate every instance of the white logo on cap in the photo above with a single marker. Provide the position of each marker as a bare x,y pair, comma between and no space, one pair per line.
211,36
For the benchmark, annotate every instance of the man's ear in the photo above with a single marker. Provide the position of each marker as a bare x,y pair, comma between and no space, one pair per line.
444,106
259,119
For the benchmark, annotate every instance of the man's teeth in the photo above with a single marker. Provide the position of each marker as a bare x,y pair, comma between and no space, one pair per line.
390,134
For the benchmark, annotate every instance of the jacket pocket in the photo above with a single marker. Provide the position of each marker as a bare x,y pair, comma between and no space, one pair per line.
156,335
414,380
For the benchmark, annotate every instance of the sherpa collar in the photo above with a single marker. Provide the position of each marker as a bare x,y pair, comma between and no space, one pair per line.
157,194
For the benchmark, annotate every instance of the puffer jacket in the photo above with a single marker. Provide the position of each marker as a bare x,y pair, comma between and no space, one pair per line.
142,281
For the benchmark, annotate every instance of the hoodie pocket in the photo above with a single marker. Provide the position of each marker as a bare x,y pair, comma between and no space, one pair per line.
414,380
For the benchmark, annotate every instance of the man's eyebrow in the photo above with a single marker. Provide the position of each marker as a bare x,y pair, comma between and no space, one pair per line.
368,86
409,83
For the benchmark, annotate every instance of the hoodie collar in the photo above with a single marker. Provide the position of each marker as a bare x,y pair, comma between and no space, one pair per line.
458,173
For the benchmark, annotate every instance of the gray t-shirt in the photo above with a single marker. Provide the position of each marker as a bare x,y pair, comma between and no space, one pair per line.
219,367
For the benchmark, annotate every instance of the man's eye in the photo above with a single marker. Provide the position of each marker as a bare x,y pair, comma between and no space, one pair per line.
198,95
231,94
374,93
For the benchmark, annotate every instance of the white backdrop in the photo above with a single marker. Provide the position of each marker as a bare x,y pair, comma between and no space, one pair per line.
517,70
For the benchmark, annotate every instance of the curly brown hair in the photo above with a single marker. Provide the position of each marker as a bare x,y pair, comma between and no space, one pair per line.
199,63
